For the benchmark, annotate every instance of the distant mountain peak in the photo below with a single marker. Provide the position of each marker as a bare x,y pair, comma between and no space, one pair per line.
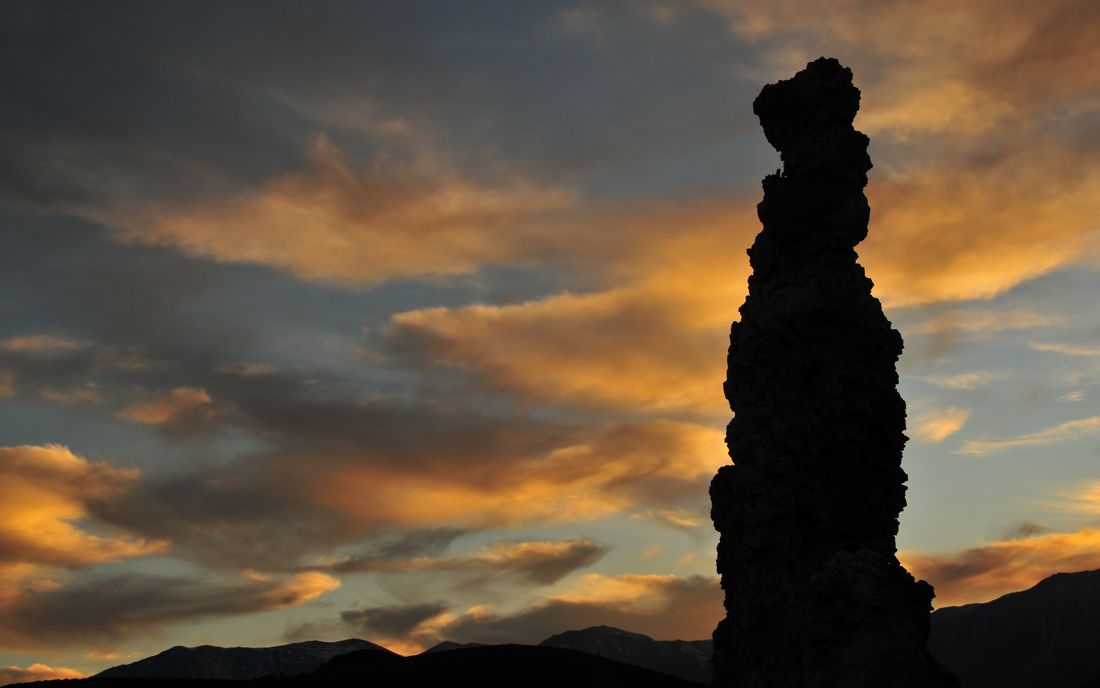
689,659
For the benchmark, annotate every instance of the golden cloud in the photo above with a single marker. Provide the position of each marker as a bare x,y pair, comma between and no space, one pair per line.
181,406
44,494
46,344
936,426
935,239
300,589
36,672
607,472
654,343
333,223
979,574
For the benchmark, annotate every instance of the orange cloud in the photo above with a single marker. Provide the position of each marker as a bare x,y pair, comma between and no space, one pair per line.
44,495
935,239
111,655
607,472
936,426
45,344
36,672
181,406
979,183
334,223
982,573
627,347
655,339
7,384
300,589
655,342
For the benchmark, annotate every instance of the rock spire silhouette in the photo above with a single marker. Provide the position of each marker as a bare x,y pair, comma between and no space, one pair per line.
808,513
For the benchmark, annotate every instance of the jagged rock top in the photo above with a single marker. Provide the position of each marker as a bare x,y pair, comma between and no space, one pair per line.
814,110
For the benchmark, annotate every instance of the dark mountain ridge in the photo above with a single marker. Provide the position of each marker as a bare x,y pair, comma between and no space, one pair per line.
689,659
239,663
491,666
1047,635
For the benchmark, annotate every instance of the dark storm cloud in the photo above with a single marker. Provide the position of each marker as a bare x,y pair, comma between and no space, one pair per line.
108,609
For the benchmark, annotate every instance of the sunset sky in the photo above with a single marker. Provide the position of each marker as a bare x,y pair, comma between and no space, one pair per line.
408,320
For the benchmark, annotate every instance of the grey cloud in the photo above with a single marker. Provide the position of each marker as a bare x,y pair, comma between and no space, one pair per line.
391,621
537,563
107,609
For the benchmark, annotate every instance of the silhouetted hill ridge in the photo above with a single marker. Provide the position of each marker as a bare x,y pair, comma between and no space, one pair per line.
689,659
1047,635
448,645
239,663
492,666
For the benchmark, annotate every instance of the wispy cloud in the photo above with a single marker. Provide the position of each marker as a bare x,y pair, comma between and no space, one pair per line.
963,380
110,609
1080,500
936,426
539,562
334,223
1063,432
1067,349
44,344
78,395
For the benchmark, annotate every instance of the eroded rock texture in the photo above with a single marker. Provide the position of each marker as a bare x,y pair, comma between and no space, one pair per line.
808,512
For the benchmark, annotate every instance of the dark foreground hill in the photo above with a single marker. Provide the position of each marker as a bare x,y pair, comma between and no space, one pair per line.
239,663
689,659
495,666
1047,635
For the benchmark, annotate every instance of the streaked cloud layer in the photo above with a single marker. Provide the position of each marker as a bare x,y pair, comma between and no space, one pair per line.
412,322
